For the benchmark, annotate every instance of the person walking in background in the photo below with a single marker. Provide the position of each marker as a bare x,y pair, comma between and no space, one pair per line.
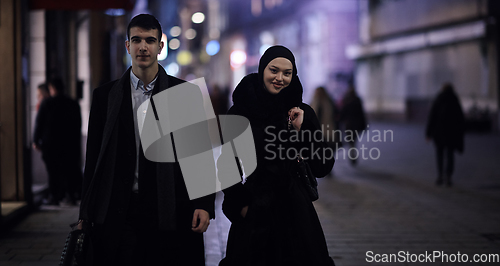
352,115
446,127
328,115
42,93
58,135
273,220
140,210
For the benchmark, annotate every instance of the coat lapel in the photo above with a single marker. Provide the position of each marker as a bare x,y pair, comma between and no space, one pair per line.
114,103
165,174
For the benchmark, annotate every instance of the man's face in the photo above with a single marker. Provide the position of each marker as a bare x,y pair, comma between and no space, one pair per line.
144,47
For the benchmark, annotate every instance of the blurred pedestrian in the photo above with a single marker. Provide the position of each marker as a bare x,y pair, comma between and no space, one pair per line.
58,135
352,115
328,115
42,93
140,209
446,127
273,220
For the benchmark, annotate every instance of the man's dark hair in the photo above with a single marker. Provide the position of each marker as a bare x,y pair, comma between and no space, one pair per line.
145,21
44,87
58,85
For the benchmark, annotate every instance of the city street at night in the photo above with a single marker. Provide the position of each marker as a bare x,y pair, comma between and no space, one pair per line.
404,95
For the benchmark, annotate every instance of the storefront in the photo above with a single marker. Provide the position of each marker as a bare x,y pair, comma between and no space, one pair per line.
15,198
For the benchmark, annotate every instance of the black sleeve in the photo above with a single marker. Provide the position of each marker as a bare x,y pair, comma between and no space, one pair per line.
430,127
237,196
97,119
320,156
206,203
40,123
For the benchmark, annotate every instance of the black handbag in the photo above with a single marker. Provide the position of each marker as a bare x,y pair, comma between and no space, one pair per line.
77,246
305,174
307,178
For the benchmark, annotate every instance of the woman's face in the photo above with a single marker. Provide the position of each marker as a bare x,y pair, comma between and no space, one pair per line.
278,75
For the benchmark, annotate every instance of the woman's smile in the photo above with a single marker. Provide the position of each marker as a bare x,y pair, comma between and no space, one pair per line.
278,75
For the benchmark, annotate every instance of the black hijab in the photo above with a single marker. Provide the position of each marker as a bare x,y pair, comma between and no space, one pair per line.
252,94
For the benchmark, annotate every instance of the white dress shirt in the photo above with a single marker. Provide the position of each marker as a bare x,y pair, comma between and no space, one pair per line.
140,94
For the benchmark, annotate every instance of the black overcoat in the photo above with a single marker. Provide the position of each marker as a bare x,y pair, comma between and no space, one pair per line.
446,122
281,226
111,155
58,129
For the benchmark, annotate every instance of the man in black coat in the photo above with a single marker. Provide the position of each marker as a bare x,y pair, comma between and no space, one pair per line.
446,127
140,210
58,135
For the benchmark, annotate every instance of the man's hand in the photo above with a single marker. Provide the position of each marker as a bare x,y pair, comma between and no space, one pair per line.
244,211
80,225
201,220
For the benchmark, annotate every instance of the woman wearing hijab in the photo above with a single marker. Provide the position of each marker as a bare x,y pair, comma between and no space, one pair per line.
273,220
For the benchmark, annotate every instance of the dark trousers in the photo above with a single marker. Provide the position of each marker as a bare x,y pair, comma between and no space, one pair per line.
63,178
445,153
353,153
138,241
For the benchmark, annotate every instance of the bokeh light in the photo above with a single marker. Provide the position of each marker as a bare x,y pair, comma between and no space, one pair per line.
115,12
238,58
213,47
198,17
190,34
184,58
174,44
175,31
173,69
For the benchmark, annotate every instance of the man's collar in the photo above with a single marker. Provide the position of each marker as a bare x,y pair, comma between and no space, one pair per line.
139,84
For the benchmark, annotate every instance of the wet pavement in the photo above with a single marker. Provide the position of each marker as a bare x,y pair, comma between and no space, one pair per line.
386,207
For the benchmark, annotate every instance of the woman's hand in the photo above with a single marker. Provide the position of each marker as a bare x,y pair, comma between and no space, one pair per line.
79,226
244,211
297,117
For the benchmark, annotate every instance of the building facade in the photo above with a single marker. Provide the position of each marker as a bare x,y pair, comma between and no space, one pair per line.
408,49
